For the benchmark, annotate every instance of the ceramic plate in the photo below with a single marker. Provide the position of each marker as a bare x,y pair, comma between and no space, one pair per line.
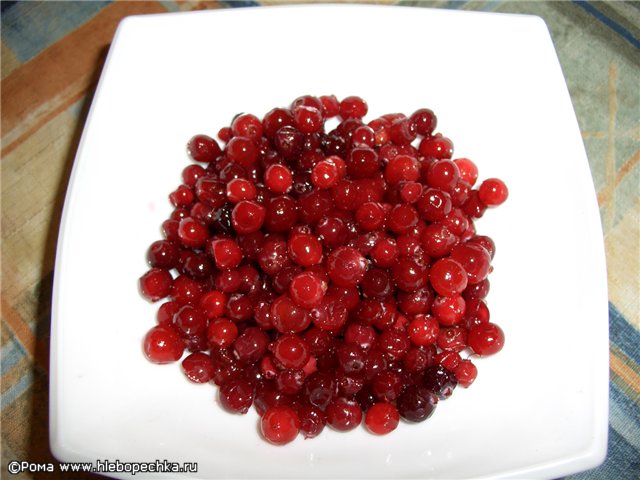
537,409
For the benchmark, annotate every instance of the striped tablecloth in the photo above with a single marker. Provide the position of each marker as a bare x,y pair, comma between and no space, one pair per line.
52,54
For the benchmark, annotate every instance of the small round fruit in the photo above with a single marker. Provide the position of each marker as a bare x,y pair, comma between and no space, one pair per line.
280,425
382,418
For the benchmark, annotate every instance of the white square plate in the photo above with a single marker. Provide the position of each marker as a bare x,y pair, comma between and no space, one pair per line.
537,409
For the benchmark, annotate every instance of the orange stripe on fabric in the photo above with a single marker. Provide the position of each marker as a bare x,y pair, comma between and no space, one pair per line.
61,74
620,367
35,348
20,329
604,195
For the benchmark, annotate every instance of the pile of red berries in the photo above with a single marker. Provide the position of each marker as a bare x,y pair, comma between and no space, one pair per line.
325,276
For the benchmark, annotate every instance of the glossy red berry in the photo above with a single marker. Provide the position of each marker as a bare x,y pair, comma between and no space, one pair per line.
240,189
493,192
236,395
423,330
203,148
278,178
291,351
287,317
221,333
197,367
448,277
226,253
192,233
280,425
346,266
486,338
353,107
242,150
468,170
382,418
305,249
425,121
307,289
247,217
343,414
156,284
162,344
466,373
436,147
247,125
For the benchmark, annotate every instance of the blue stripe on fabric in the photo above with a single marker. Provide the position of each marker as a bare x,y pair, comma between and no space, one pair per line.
240,3
17,389
30,27
11,354
623,335
612,24
491,6
454,4
623,415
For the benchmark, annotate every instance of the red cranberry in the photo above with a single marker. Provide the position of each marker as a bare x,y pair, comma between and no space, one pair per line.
416,403
278,179
493,192
346,266
240,189
452,339
251,345
287,317
156,284
203,149
425,121
403,131
280,425
448,277
247,217
466,373
226,253
382,418
312,420
353,107
423,330
409,274
305,249
436,147
190,321
236,395
468,170
162,344
387,385
291,351
242,150
440,381
198,367
449,310
221,333
475,260
247,125
307,290
486,338
343,414
186,290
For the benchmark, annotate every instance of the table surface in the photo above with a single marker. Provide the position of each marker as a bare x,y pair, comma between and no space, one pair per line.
52,54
